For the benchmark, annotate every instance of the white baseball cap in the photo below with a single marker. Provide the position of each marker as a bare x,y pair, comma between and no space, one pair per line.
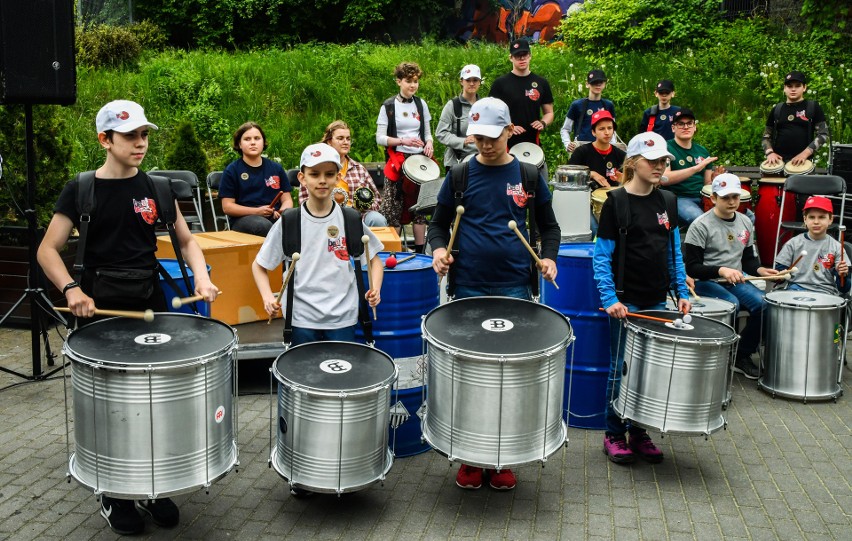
649,145
726,184
122,116
470,71
488,117
318,153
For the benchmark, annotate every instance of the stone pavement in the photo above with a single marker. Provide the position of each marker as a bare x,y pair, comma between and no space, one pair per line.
781,470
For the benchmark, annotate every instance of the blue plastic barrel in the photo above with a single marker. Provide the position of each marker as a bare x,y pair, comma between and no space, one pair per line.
578,299
171,266
409,292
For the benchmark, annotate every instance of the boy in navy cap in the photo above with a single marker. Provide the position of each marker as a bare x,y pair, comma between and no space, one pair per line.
795,128
658,118
578,121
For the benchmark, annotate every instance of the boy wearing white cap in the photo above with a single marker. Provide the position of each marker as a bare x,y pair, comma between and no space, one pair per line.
325,296
452,126
720,244
490,258
636,262
120,238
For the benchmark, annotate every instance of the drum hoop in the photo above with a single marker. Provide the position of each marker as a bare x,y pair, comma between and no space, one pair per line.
375,388
105,364
491,357
806,307
686,340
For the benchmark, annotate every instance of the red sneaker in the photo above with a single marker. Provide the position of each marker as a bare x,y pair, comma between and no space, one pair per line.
501,480
469,477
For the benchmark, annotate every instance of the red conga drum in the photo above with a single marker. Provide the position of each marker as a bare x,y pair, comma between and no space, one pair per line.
767,215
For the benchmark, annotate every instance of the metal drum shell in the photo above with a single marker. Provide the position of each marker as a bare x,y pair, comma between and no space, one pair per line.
186,406
492,410
668,384
802,359
571,175
332,441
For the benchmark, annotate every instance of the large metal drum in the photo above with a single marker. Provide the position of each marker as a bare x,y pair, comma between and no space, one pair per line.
676,380
495,380
587,360
803,345
718,309
409,291
154,413
333,414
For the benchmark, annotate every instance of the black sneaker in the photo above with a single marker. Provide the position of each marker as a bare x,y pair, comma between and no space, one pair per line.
744,366
162,511
121,516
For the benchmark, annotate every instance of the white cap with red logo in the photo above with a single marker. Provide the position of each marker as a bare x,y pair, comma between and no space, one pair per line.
122,116
318,153
649,145
488,117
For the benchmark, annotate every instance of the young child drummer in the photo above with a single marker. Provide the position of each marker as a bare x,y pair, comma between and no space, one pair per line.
822,267
719,251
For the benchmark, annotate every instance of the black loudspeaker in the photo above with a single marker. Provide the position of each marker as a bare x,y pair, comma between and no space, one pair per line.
37,52
841,163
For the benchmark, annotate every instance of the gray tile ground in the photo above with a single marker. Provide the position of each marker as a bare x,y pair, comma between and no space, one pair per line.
781,470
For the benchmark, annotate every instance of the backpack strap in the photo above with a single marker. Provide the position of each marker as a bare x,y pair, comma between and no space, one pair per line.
353,230
458,177
529,180
621,208
457,113
85,205
810,111
670,201
291,242
651,121
418,103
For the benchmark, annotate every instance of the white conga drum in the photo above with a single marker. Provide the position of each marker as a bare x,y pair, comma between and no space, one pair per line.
804,355
495,381
528,152
154,413
772,170
420,169
333,416
676,380
805,168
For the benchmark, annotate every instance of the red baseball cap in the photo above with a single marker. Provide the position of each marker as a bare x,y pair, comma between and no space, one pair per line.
819,202
603,114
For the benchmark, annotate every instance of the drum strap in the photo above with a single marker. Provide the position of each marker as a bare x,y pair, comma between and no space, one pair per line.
291,238
457,112
390,110
651,121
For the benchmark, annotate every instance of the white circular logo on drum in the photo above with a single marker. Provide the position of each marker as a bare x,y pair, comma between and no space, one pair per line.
804,299
152,339
335,366
219,416
497,325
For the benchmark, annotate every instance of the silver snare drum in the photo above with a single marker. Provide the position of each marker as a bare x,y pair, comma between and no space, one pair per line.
154,413
804,345
495,381
420,169
571,175
676,380
718,309
333,416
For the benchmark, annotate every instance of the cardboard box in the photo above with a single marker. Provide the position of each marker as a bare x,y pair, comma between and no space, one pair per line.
389,237
230,255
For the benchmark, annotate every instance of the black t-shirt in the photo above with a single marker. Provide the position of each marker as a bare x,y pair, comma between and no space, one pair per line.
121,232
524,96
646,274
793,133
606,166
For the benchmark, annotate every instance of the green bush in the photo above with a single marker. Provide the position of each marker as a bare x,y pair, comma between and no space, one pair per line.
150,35
104,46
185,153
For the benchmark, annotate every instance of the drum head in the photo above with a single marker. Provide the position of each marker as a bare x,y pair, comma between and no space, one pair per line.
497,326
804,299
529,153
771,169
771,180
806,167
707,190
171,338
702,327
334,366
601,194
707,305
420,169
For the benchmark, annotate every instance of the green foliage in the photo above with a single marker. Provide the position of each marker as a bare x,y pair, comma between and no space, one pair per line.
829,21
186,153
151,36
52,161
107,46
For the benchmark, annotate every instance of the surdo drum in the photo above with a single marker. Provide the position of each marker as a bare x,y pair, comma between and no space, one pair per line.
495,381
333,416
154,413
676,380
420,169
804,345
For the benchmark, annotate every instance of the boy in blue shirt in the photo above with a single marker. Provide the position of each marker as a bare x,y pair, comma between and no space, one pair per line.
658,118
578,121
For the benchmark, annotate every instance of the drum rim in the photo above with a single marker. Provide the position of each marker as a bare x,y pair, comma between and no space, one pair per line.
519,148
478,356
421,158
803,169
389,458
809,307
686,340
772,181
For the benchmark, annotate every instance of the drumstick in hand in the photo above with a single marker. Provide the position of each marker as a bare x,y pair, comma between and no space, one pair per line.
459,212
842,251
783,275
513,225
677,322
802,254
147,315
177,302
296,257
692,292
277,197
366,241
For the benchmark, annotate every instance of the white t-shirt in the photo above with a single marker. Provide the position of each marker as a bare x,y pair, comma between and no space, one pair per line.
325,295
407,125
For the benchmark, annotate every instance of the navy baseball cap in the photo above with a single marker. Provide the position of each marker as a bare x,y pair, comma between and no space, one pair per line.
795,76
596,76
664,85
519,46
685,112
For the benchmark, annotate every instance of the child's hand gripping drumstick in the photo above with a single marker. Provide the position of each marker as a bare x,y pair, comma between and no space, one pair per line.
459,212
365,240
296,257
513,225
147,315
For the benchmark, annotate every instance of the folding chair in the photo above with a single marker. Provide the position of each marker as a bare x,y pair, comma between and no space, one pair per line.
213,180
293,178
194,221
809,185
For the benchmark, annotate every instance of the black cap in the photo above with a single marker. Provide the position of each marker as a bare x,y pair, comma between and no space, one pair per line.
519,46
795,76
595,76
685,112
664,85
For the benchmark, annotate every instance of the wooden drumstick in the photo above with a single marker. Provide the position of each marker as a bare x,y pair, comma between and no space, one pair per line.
366,241
692,292
277,197
842,251
513,225
404,259
643,316
177,302
802,254
147,315
296,257
459,212
783,275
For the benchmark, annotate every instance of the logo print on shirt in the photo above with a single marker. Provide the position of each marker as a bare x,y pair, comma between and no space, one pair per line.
273,182
518,194
826,261
338,246
147,208
663,220
801,115
533,94
743,236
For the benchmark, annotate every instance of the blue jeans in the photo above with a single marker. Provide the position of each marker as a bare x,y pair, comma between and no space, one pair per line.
373,218
252,225
744,295
303,336
516,292
688,209
617,339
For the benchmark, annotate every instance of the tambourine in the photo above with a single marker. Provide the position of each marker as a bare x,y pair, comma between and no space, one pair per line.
341,196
